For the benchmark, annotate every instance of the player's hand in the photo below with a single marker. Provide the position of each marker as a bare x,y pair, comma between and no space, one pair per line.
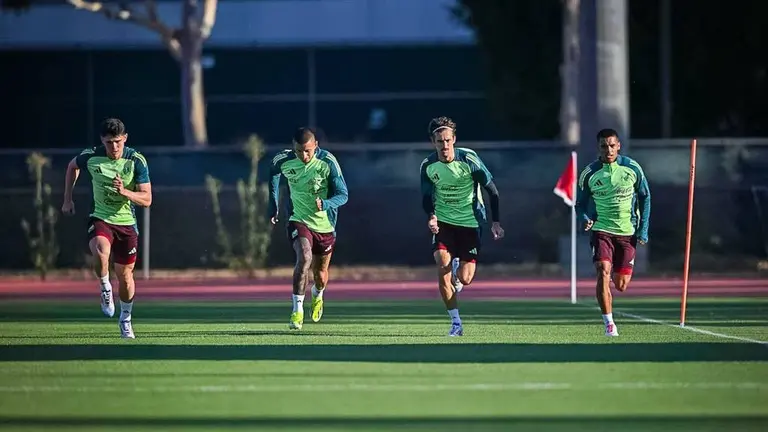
117,182
68,208
497,231
319,203
642,241
588,224
432,224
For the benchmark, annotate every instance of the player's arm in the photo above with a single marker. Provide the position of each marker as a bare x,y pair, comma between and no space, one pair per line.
77,163
142,196
644,202
70,178
338,185
274,186
427,190
481,175
583,195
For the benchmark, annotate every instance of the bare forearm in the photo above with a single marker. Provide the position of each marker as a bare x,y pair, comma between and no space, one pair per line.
140,198
69,182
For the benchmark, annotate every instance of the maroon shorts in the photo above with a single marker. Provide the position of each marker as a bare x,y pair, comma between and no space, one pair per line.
321,243
615,249
123,238
461,242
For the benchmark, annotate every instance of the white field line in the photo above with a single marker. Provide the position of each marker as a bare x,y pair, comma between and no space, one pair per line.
689,328
524,386
693,329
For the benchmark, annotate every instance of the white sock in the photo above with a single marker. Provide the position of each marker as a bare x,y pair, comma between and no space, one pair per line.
317,293
125,310
105,284
608,318
298,302
454,313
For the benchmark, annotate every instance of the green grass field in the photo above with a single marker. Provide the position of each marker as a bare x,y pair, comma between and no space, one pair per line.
384,365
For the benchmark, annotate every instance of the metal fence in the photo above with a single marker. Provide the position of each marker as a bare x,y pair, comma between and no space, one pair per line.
353,93
383,223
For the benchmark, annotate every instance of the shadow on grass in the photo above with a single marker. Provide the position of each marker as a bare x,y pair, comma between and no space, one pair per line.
679,423
399,353
176,334
405,312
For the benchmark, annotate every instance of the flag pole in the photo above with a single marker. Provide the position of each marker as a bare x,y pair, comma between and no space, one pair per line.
688,231
573,231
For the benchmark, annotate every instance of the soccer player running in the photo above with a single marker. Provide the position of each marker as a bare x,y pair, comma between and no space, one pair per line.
317,190
120,180
622,200
450,185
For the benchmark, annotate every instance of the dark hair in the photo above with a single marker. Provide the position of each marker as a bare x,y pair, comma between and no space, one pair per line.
606,133
441,122
112,127
303,135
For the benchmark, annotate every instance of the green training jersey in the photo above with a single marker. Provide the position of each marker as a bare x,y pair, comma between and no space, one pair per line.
618,195
132,168
455,186
320,178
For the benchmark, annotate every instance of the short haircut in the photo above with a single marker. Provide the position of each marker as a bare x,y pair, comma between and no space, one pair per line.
303,135
112,127
440,123
606,133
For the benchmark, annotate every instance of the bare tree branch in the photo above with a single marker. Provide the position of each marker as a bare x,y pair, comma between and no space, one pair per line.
124,12
209,18
172,42
151,7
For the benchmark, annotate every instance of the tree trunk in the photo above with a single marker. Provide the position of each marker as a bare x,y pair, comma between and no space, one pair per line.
192,94
570,125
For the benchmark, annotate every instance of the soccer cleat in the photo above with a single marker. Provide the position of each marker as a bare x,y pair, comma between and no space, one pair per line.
611,330
457,285
126,330
297,320
317,308
107,305
456,330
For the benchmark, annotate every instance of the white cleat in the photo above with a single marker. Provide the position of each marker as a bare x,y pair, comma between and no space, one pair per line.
456,330
107,303
457,285
611,330
126,330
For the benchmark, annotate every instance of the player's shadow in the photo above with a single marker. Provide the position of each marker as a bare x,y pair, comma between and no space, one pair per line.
506,423
175,334
400,353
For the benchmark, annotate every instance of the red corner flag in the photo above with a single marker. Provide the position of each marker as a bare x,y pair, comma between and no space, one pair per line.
566,184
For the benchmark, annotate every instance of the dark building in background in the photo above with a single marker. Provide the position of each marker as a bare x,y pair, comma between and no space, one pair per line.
366,72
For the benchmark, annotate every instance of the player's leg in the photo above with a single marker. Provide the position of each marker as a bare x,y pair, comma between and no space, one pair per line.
301,239
323,246
623,261
320,265
464,272
450,299
455,280
100,238
465,263
442,245
124,251
127,291
602,256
